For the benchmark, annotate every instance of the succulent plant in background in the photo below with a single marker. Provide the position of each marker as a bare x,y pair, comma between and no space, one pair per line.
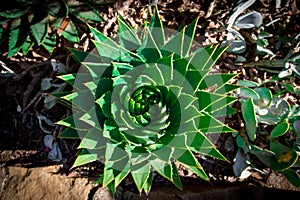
147,103
25,23
260,107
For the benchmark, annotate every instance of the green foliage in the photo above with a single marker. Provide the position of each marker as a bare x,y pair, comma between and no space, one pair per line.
260,107
29,23
144,104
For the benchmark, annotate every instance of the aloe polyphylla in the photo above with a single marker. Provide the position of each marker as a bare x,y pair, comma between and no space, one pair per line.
144,104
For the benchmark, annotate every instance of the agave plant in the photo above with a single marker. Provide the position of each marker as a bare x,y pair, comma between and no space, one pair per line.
145,104
39,22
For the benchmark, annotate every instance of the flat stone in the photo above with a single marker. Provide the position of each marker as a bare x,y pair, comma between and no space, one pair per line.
43,183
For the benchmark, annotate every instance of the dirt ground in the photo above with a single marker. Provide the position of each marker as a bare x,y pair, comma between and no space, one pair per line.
23,114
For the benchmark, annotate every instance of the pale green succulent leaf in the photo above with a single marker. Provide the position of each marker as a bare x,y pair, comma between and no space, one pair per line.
179,141
59,96
194,77
166,67
149,49
97,69
111,131
81,56
82,100
210,102
88,156
187,115
140,174
148,184
156,28
69,122
111,174
162,167
224,112
120,68
212,152
215,56
227,88
186,100
94,117
216,80
181,66
209,124
174,45
122,175
93,140
207,99
92,86
107,52
164,154
127,36
156,74
189,35
201,60
199,141
199,171
100,37
105,103
117,165
114,152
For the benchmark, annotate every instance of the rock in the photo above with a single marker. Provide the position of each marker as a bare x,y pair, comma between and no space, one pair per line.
43,183
278,180
102,194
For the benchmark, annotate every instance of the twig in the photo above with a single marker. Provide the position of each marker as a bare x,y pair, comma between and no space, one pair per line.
210,9
33,84
266,63
31,102
28,68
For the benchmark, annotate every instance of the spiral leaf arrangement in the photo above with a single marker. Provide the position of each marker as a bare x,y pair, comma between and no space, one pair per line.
144,104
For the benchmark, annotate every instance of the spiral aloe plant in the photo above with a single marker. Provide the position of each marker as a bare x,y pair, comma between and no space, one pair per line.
146,104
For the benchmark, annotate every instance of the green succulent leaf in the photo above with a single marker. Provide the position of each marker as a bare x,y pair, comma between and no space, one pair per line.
292,176
14,13
71,33
265,97
247,83
69,133
26,46
280,129
49,42
40,30
250,118
284,158
18,35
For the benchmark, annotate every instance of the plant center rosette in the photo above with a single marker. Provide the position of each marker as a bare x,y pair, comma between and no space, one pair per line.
146,103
